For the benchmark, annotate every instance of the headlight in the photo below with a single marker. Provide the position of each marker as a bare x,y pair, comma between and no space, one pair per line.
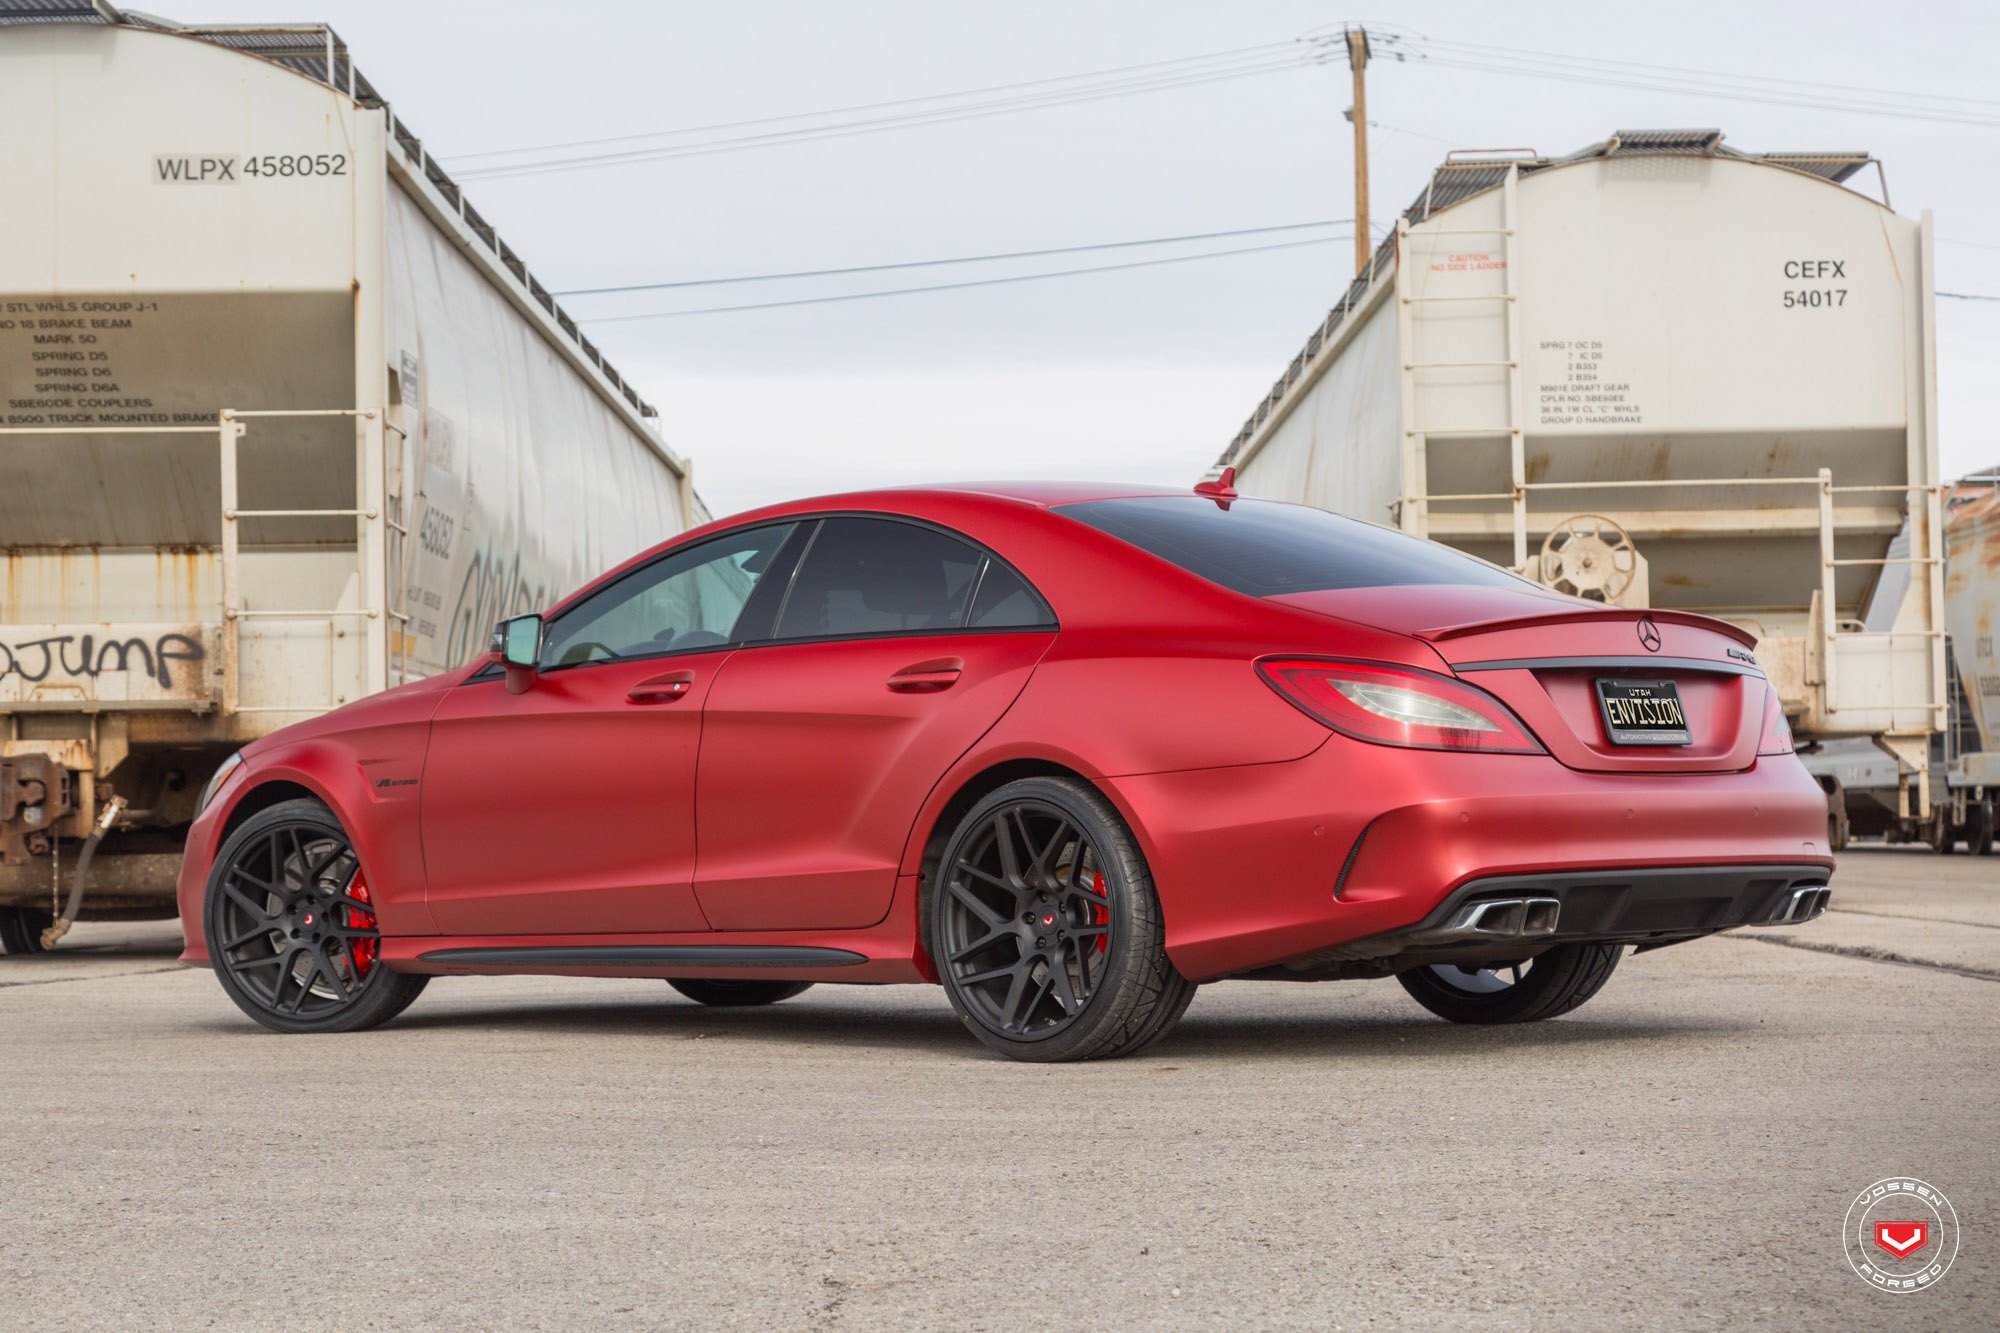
222,774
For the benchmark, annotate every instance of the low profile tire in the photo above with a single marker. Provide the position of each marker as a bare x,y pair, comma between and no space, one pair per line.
21,929
1544,986
1046,930
291,926
739,994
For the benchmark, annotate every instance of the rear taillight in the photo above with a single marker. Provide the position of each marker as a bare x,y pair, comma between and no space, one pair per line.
1777,737
1399,706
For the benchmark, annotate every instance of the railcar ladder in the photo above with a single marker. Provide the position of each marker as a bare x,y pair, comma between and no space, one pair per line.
1414,515
371,560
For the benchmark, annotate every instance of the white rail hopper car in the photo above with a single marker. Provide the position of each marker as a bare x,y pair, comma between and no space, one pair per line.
1660,373
282,422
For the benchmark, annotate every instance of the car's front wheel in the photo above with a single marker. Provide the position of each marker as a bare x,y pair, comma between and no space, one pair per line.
292,930
1544,986
1046,932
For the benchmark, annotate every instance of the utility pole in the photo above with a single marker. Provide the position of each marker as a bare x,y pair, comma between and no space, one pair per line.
1357,60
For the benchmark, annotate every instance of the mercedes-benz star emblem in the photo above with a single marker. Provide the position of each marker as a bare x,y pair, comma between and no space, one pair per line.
1649,634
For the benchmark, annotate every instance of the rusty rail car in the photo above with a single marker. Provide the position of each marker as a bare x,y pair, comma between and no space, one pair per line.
283,421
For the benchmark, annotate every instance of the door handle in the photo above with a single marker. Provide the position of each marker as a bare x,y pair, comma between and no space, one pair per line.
661,689
940,673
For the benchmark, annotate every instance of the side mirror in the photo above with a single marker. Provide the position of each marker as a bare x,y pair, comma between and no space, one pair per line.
517,644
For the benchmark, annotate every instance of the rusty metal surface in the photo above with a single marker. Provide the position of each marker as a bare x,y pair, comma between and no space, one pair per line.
119,885
36,792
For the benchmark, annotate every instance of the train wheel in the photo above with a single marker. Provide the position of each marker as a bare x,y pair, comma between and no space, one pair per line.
1941,835
21,929
1979,828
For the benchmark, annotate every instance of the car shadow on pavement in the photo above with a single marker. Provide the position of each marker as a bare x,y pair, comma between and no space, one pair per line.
928,1025
803,1020
1397,1038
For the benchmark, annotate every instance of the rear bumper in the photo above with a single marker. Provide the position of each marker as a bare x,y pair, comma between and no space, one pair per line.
1510,917
1266,864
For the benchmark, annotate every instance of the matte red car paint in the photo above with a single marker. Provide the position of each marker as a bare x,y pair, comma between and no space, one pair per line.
1246,859
569,807
1246,808
812,767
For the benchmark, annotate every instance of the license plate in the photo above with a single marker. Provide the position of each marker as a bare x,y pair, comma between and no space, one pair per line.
1643,712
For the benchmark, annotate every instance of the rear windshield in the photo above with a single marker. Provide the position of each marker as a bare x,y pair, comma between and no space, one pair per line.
1266,549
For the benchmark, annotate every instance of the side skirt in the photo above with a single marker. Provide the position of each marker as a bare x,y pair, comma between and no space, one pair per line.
884,953
705,956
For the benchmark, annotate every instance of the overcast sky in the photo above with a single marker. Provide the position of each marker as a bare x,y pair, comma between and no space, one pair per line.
1141,374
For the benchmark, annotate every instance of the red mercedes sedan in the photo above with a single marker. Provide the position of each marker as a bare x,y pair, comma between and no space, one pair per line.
1070,751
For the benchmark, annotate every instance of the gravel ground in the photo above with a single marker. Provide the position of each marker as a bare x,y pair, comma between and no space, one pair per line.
528,1153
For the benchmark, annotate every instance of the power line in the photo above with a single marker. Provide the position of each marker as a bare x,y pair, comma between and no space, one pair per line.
1210,67
1238,52
940,115
1708,83
1722,91
1670,71
959,286
1967,296
963,259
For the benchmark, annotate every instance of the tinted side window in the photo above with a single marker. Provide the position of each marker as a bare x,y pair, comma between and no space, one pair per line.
690,599
1005,601
875,576
1265,549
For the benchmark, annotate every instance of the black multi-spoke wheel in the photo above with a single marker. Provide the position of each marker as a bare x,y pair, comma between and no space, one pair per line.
292,929
1523,991
1045,929
737,994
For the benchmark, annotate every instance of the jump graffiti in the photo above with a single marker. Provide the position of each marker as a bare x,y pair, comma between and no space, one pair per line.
85,656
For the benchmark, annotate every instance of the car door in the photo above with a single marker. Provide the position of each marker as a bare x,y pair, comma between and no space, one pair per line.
569,808
897,646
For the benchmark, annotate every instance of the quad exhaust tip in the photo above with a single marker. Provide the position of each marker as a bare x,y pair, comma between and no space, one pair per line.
1507,918
1800,905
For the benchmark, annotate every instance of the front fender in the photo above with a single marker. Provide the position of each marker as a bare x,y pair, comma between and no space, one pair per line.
373,796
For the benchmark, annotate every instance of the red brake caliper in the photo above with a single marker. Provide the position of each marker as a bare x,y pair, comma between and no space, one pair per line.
1101,911
361,952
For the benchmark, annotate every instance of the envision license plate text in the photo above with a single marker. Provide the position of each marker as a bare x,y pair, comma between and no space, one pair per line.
1647,712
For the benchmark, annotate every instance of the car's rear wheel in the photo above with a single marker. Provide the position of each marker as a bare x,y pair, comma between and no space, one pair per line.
1045,928
21,929
738,994
1541,987
292,929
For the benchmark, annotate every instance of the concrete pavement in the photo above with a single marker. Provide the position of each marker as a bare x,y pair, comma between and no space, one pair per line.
550,1153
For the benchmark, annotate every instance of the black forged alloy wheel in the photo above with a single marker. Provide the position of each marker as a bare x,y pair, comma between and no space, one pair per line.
1045,928
291,926
737,994
1545,986
21,929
